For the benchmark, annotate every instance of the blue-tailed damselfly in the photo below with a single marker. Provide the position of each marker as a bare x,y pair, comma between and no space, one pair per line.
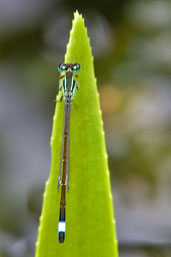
68,83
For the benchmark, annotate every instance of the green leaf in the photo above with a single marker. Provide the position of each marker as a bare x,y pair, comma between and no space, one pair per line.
90,226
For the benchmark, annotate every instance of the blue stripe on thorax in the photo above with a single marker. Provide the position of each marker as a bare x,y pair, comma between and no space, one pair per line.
73,86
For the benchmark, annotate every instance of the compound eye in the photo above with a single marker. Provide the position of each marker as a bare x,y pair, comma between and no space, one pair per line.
61,67
76,67
64,67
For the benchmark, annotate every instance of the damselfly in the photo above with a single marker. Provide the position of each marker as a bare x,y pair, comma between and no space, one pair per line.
68,83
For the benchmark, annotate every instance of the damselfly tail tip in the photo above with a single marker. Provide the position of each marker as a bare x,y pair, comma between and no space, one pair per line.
61,231
61,237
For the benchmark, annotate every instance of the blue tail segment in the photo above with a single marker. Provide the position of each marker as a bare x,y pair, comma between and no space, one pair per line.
61,225
61,231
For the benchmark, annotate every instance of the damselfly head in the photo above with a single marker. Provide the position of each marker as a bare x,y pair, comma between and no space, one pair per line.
69,66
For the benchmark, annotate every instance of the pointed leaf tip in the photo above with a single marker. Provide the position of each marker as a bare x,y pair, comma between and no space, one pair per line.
89,210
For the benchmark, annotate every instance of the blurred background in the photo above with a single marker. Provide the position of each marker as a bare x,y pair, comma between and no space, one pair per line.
131,43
